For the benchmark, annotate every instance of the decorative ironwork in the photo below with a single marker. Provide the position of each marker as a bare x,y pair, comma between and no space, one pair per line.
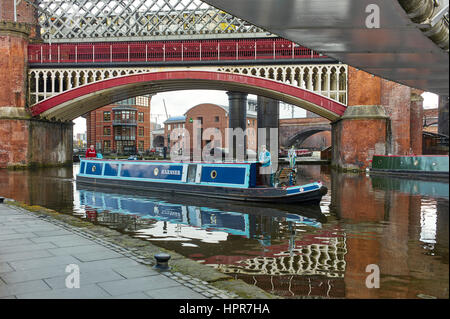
168,51
329,80
123,20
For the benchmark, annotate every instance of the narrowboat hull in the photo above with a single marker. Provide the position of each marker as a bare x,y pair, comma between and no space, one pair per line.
420,167
227,182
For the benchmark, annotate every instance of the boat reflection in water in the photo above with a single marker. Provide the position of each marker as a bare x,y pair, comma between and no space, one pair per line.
130,213
435,189
285,250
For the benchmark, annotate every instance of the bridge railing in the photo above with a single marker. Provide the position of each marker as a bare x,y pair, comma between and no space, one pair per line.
166,51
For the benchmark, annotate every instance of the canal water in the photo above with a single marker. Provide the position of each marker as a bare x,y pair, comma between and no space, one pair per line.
363,225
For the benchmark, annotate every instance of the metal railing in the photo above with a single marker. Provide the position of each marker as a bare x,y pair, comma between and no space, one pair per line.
124,122
167,51
124,138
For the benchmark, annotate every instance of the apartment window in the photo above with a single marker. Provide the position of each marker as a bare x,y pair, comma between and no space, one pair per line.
142,101
216,119
141,146
107,130
141,131
168,127
106,146
107,116
141,116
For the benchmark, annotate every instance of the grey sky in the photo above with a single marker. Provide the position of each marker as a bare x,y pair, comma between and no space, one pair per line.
179,102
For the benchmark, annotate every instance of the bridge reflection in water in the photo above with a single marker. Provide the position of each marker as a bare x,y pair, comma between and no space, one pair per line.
400,225
299,264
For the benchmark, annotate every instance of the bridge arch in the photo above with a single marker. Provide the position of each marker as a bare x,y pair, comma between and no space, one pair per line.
78,101
299,137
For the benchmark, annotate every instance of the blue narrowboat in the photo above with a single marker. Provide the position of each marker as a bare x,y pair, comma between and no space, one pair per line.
237,181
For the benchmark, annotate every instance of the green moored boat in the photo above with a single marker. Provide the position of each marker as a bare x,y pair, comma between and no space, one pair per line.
434,166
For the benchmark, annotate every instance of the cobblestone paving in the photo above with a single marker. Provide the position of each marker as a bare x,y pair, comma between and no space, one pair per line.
35,251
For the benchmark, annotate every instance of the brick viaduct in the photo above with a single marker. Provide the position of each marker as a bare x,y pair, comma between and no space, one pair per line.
382,117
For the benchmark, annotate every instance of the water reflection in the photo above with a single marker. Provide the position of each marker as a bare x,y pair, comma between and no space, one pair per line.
259,244
435,189
293,251
105,207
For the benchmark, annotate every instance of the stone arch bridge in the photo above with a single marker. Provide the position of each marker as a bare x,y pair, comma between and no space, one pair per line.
296,131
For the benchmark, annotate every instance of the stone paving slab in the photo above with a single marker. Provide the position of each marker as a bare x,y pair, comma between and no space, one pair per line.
34,254
15,242
90,248
27,247
172,293
108,264
43,262
96,255
23,287
134,295
120,287
4,267
16,236
14,276
86,278
87,292
134,271
24,255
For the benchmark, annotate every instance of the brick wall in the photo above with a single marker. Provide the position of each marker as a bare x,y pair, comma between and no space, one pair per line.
13,63
363,88
13,142
416,124
396,100
365,133
26,13
213,116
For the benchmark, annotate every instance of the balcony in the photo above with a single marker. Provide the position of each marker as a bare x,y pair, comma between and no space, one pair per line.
127,122
124,138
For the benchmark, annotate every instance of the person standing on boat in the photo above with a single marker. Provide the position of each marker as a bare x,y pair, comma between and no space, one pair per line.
266,166
90,152
292,156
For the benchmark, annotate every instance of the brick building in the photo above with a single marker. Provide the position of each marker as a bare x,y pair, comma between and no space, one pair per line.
122,128
210,116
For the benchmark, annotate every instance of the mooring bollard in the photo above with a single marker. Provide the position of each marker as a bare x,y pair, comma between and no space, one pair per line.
162,261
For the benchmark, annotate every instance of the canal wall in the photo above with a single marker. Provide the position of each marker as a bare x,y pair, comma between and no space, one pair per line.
382,118
26,142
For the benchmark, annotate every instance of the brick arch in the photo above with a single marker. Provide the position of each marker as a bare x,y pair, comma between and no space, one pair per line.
302,135
75,102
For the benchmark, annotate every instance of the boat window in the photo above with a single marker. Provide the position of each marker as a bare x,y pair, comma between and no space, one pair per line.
192,170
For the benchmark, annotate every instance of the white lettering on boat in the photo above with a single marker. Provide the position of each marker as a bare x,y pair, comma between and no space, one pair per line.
170,172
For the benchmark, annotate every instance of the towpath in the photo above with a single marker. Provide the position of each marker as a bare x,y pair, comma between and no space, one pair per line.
41,259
